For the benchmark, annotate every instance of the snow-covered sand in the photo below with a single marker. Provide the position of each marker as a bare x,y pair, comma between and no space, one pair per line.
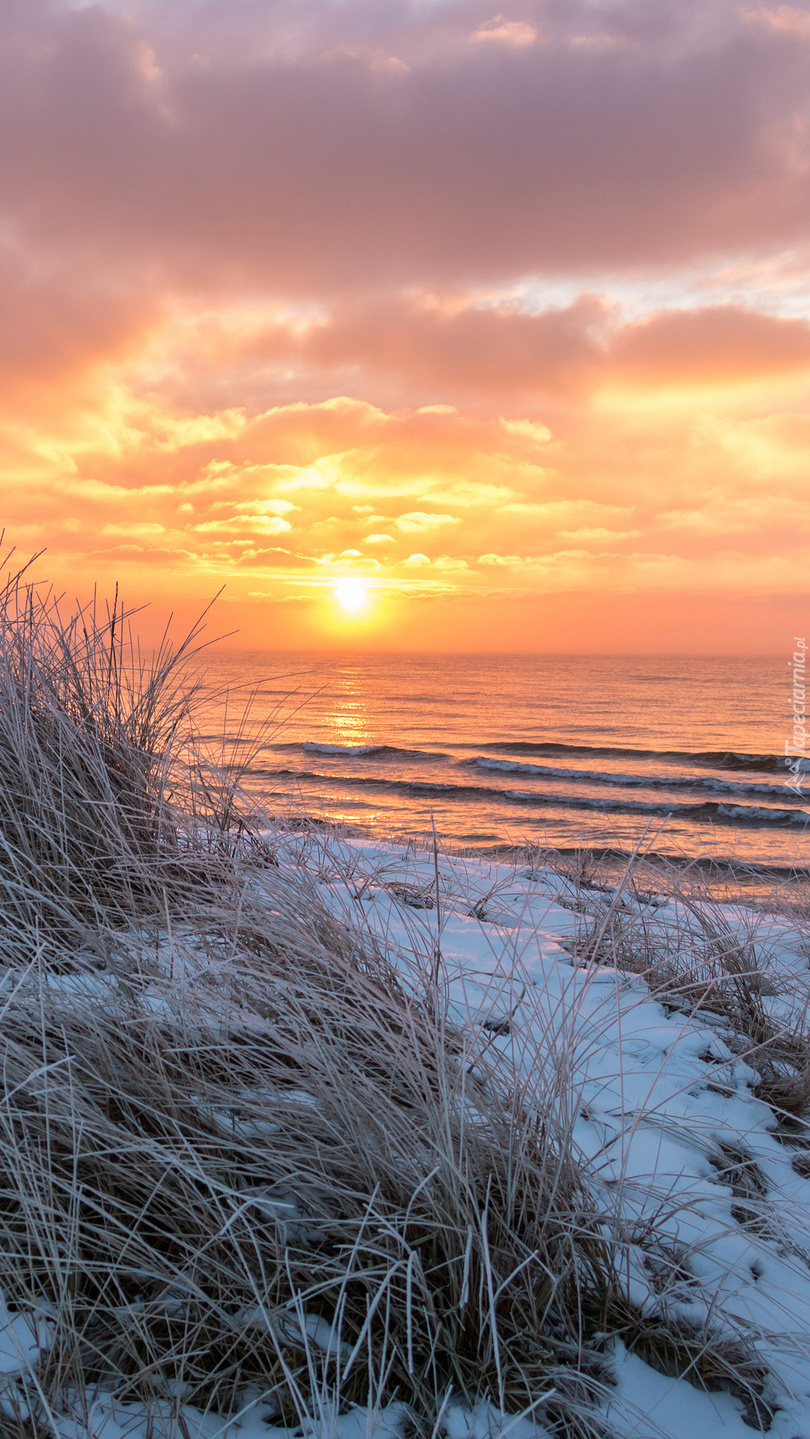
662,1099
703,1185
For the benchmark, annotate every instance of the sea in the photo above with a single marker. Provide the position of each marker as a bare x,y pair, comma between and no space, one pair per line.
680,758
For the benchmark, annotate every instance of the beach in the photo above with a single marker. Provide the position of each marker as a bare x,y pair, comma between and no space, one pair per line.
660,1045
308,1131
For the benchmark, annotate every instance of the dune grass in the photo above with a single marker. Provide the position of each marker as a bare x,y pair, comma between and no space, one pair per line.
700,963
243,1165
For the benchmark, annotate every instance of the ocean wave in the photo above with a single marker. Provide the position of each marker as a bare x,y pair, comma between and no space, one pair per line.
752,812
704,811
638,781
708,811
711,759
704,759
360,751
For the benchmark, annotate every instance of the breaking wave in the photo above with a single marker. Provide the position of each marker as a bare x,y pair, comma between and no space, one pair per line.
709,759
711,811
737,788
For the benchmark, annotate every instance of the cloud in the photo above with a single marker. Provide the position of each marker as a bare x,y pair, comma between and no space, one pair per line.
516,33
533,430
253,524
417,521
311,171
786,18
484,355
722,344
259,507
143,530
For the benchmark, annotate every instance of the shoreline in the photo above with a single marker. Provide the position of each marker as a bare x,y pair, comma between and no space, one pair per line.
717,875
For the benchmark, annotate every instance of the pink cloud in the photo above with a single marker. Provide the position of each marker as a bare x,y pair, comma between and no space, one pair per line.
720,344
473,355
501,31
311,172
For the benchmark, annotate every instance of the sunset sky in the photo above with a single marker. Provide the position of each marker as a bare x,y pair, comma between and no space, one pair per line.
504,312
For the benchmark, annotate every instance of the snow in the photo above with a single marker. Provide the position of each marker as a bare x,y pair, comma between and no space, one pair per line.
22,1338
673,1406
108,1420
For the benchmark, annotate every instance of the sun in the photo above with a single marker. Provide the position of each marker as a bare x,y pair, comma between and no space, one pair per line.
351,595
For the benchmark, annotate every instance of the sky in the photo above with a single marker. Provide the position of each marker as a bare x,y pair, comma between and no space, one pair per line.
501,314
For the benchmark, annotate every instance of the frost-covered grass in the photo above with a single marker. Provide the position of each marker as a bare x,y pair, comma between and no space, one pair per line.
302,1133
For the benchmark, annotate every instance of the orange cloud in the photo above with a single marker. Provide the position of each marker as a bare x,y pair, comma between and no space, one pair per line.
721,345
517,33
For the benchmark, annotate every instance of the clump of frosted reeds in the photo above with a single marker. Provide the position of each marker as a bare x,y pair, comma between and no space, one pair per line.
712,954
100,785
272,1173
